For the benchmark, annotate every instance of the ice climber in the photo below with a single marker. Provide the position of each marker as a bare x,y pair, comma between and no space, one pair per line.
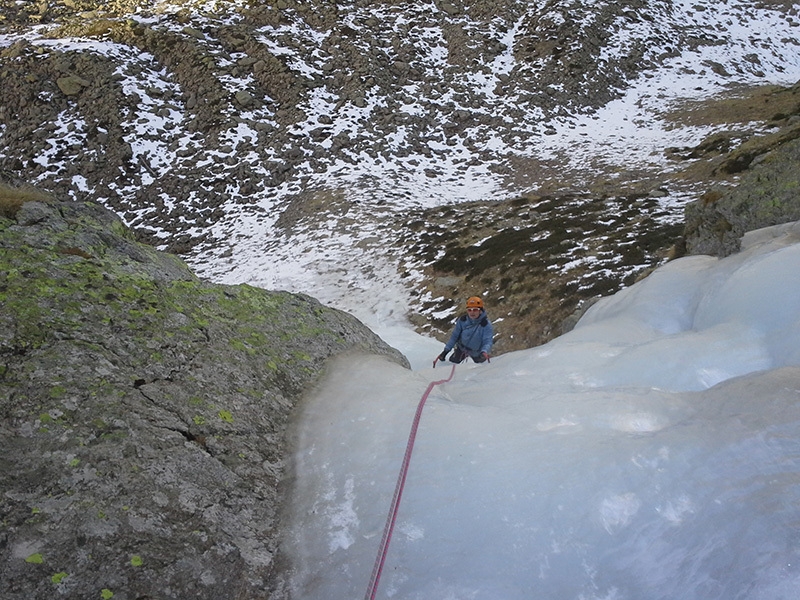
472,335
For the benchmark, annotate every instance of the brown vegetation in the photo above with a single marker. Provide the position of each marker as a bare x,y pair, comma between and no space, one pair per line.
11,199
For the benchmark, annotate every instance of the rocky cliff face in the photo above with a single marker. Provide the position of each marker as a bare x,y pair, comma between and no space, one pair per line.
142,412
768,193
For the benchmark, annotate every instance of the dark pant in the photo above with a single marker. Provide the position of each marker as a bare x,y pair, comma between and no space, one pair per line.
459,355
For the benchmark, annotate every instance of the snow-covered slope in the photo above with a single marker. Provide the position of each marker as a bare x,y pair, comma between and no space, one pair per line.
651,453
283,144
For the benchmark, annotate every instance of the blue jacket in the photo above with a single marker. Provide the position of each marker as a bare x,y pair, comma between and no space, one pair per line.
473,335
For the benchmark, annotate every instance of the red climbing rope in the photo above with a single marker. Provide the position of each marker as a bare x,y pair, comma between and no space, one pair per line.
398,492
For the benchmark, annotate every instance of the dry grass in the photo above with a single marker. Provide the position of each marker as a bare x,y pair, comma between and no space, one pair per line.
11,199
740,106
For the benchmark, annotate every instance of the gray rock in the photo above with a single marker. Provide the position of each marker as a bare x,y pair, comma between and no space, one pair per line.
244,99
768,193
32,213
71,85
450,9
143,413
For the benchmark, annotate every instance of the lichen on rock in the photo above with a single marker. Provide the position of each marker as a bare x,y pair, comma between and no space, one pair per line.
143,412
767,194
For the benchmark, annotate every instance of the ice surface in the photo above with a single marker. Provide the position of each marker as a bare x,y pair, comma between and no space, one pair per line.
652,452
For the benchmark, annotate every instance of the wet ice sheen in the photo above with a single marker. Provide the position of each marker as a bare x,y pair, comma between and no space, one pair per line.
653,452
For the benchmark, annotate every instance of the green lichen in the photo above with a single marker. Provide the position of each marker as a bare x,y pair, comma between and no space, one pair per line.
57,391
59,577
240,346
35,559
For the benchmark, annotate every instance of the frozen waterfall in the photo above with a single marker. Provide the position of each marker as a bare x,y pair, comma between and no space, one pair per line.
653,452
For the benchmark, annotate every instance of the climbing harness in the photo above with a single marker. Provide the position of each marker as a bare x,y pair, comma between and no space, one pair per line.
398,492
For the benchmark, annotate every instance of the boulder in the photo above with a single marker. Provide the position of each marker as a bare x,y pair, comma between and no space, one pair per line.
71,85
143,413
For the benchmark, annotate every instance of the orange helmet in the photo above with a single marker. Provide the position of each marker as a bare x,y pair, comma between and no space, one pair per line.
474,302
